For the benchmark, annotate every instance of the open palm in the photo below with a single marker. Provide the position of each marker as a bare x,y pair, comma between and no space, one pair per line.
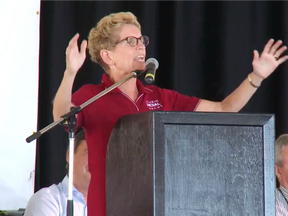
269,60
74,57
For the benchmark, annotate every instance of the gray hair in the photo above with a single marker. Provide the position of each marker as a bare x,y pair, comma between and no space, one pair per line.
280,143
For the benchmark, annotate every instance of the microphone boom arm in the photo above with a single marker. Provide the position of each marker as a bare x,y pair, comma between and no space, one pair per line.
75,110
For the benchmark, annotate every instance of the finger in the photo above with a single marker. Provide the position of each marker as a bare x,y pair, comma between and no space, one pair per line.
68,50
280,51
268,46
73,41
282,59
275,47
256,55
83,47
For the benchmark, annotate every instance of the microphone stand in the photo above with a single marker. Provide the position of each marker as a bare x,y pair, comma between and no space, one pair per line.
70,120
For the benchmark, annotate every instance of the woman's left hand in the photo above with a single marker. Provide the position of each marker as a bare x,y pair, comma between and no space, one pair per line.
269,60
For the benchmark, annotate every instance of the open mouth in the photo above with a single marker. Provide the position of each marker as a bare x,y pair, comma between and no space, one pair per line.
140,58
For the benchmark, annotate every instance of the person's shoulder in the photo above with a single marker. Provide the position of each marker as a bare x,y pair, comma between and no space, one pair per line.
152,88
91,88
52,193
46,201
158,90
86,92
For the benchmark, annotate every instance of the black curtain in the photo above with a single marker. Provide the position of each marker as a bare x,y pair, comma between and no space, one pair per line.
204,49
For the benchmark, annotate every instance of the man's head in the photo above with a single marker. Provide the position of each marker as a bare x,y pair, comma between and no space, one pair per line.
81,174
281,159
116,43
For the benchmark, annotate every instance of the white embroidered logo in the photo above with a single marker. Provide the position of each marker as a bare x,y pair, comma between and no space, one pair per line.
153,105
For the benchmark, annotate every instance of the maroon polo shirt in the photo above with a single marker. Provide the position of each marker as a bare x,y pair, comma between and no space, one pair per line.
99,118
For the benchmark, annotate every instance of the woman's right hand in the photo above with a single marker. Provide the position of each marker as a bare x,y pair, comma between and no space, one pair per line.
74,57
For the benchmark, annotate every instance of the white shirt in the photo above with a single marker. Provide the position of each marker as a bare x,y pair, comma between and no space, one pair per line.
281,201
52,201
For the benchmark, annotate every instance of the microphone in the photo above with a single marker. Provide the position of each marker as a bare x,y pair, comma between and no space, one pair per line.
150,69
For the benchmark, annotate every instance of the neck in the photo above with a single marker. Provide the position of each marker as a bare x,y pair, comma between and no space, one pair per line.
129,87
84,192
284,183
285,187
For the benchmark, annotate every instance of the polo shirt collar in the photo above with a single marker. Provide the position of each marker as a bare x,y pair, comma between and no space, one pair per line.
141,88
65,187
65,184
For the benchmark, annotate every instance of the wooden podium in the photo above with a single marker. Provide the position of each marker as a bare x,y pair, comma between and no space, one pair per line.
188,163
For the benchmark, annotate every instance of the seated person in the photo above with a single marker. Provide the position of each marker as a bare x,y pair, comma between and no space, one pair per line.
281,169
52,201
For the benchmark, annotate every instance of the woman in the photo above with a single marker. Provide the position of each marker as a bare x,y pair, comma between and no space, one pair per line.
116,43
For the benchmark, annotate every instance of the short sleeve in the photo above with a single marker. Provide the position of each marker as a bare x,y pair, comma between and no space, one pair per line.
78,98
180,102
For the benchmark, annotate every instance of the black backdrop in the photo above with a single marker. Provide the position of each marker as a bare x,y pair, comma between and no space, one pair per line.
204,49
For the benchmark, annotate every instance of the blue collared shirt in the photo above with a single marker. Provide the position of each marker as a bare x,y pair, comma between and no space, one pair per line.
52,201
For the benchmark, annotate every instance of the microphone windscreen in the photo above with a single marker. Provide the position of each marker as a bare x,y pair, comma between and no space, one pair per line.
153,61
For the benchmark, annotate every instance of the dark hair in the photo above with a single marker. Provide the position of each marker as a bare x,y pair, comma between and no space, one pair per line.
79,136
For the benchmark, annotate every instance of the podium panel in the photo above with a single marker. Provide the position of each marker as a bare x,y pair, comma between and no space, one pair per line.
184,164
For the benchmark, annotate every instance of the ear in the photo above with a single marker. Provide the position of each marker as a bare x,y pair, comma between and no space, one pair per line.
67,156
278,172
106,57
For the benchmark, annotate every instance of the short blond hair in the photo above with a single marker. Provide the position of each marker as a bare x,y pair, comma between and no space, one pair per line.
103,35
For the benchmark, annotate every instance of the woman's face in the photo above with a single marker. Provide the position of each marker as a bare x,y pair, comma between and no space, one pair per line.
129,52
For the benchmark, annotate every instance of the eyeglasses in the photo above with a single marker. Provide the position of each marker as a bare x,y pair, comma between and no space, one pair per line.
133,41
